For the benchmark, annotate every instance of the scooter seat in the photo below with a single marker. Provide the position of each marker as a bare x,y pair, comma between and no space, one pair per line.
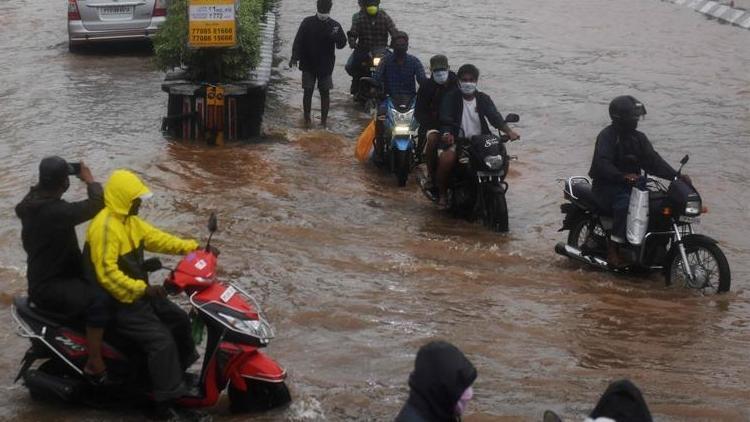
28,311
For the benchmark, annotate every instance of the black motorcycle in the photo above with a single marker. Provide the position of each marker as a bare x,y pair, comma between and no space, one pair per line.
669,245
366,68
477,187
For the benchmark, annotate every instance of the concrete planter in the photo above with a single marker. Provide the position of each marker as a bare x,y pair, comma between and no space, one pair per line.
241,117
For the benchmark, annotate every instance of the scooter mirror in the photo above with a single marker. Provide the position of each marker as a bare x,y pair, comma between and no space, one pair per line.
512,118
685,159
213,224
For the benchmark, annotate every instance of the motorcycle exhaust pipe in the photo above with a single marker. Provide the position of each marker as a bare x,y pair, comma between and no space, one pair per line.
50,387
566,250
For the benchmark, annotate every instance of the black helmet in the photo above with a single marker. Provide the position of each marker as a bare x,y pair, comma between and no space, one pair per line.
626,109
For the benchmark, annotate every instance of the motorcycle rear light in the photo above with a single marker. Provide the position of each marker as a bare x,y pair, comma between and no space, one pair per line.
160,8
73,14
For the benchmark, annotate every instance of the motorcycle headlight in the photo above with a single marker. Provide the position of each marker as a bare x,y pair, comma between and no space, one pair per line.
401,130
253,327
494,162
376,61
693,208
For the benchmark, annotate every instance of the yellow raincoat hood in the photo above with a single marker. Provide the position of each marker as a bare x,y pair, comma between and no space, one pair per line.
122,188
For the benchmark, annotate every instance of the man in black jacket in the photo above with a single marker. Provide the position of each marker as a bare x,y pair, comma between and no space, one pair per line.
439,386
55,264
427,110
464,113
314,49
620,154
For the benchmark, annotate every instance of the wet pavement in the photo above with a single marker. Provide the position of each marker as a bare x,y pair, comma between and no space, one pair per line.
356,274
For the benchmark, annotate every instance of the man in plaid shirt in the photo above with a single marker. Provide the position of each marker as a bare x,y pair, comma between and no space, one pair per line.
371,27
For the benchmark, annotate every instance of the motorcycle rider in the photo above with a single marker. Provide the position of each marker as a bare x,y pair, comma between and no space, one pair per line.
370,30
55,265
440,385
397,74
115,242
464,112
621,152
429,97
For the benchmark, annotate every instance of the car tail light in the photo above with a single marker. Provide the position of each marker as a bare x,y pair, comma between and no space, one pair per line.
160,8
73,14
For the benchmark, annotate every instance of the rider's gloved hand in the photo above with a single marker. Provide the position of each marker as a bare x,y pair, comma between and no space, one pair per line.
156,292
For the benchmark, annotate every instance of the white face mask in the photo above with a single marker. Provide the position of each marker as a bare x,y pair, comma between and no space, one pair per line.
440,76
468,88
323,16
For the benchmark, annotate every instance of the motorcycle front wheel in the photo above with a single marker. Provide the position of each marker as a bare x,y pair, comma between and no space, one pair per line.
402,166
708,264
496,212
260,396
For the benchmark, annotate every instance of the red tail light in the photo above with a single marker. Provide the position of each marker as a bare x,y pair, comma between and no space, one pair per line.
73,14
160,8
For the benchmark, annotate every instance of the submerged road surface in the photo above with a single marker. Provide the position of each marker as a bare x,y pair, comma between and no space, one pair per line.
356,274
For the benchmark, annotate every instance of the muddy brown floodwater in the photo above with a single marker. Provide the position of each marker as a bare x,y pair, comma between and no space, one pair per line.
357,274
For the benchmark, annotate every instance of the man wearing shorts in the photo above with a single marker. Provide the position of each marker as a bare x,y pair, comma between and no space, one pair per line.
314,50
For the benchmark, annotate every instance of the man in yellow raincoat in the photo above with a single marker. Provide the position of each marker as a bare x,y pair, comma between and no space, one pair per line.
115,242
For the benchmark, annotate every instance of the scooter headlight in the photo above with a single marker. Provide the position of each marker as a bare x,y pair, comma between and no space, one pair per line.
253,327
693,208
494,162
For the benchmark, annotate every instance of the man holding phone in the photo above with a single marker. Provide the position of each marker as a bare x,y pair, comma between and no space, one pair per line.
55,274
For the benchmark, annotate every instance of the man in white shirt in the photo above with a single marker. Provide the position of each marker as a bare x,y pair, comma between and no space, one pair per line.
464,113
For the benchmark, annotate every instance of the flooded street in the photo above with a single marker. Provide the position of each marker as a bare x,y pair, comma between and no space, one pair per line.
356,274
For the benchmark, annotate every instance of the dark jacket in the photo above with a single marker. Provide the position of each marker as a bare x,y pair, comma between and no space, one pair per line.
441,375
452,108
429,97
49,236
315,45
623,402
621,151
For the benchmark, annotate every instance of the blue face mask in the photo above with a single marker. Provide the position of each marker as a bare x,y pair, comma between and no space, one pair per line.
440,76
468,88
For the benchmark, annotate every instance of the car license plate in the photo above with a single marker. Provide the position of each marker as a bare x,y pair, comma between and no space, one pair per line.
117,12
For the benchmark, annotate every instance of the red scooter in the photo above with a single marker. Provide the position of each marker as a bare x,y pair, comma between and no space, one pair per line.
232,359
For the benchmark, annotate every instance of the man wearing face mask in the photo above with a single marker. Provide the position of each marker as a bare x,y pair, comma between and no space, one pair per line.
427,111
398,73
55,270
370,30
440,385
621,152
464,113
314,49
115,243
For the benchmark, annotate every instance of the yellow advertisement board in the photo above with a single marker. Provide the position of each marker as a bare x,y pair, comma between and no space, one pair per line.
212,23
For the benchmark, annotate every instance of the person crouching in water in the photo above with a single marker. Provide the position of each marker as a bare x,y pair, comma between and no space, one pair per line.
440,385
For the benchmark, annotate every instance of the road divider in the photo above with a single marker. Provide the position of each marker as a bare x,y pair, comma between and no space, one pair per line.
728,13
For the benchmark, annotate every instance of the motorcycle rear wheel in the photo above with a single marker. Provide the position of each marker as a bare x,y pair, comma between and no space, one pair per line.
709,266
260,396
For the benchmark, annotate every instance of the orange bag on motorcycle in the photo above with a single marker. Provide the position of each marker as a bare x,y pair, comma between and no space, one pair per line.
365,142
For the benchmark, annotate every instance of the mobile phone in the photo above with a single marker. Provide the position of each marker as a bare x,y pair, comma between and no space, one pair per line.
74,169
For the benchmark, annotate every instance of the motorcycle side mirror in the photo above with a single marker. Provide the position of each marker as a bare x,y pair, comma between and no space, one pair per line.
213,224
512,118
685,159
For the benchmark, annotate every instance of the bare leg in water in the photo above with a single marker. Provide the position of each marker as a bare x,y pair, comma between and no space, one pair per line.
446,161
307,105
325,104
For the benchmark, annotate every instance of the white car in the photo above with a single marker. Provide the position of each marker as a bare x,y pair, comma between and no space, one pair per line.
92,21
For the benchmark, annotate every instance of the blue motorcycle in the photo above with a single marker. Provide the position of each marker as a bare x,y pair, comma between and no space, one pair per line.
400,136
